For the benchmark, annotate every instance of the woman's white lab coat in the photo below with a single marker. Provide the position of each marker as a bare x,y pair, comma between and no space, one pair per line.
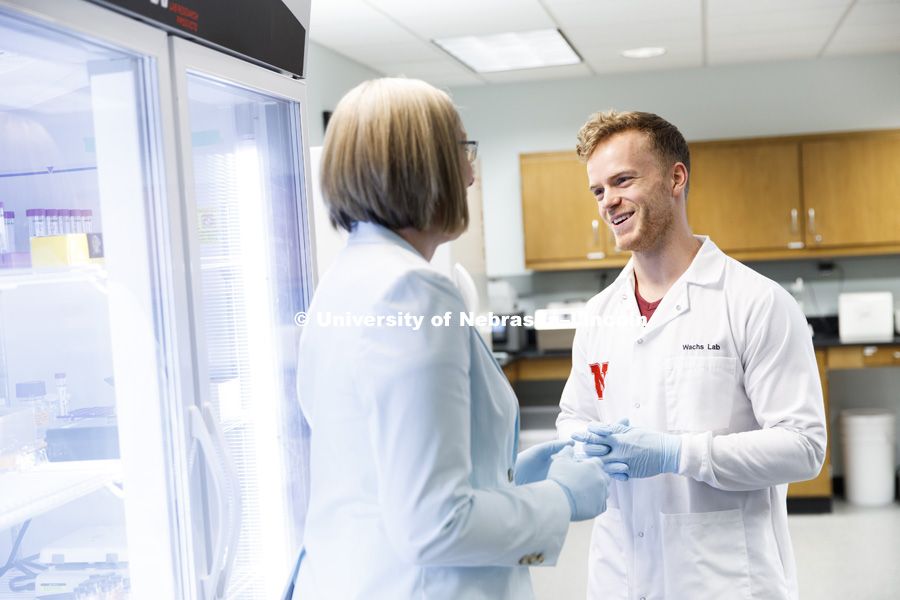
726,362
414,439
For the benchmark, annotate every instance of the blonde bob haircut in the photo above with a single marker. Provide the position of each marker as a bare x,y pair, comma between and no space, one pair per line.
392,157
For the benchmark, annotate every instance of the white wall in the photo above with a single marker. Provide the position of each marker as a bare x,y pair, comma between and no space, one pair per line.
328,77
709,103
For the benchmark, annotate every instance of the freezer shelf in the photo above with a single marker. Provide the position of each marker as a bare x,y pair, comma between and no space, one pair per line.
29,493
11,279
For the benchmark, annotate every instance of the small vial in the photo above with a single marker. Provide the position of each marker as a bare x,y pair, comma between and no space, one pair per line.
52,220
65,221
62,396
37,225
77,221
4,243
88,218
10,218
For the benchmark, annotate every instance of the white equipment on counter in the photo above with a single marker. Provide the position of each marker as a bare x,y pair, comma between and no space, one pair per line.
866,317
554,326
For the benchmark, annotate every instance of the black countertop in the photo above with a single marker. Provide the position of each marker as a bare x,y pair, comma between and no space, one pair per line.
825,335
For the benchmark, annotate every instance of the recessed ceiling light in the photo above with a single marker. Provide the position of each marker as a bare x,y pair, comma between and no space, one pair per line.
645,52
511,51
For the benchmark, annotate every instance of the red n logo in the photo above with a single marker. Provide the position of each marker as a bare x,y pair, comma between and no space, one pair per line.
599,371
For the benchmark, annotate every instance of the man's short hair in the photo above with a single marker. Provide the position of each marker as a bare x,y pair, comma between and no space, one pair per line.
392,157
665,140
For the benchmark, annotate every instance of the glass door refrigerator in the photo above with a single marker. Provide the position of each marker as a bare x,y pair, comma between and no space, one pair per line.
153,252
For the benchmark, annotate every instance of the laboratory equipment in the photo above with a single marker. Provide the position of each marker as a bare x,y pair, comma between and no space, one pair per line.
184,159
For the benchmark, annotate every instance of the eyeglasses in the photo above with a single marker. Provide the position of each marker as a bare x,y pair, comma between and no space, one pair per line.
471,150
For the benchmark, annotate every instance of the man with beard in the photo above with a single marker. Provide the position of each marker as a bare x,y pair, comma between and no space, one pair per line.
703,413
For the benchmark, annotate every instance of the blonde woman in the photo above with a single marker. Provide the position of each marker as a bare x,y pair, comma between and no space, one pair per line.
416,487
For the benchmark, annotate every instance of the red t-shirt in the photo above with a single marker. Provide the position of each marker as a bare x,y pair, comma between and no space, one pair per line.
647,308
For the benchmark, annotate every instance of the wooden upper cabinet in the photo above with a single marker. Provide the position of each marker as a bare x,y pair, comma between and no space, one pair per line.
802,196
746,196
562,225
851,190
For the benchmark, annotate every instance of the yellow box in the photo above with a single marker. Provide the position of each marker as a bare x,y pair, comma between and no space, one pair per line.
60,250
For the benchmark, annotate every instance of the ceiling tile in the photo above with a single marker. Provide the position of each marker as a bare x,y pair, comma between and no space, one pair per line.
441,72
767,46
720,8
400,52
874,14
336,23
734,23
465,17
679,55
645,33
393,36
613,14
869,39
539,74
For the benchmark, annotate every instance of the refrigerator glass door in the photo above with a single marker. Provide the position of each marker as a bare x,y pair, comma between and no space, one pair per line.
85,370
251,264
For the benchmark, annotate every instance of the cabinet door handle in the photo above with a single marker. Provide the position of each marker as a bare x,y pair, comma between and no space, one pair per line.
595,226
793,220
812,220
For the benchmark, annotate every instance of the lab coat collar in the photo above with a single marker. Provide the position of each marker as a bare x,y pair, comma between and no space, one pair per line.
705,269
372,233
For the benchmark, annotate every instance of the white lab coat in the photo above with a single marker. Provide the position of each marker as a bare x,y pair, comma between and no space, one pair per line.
414,438
726,362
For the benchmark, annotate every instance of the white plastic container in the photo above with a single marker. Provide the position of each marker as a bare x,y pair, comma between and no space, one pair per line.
868,436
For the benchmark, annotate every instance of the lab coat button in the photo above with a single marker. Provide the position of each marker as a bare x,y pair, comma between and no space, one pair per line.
640,534
624,296
641,341
511,475
677,307
637,404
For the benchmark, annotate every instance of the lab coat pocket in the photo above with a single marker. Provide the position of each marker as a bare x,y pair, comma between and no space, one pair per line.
705,556
699,392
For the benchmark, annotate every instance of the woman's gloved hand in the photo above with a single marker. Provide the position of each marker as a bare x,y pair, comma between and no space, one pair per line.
585,483
532,464
628,451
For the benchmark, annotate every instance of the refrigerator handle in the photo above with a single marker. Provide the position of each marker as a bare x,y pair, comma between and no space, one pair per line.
200,432
233,485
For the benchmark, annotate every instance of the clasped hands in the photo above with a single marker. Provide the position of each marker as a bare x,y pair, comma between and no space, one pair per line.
628,451
585,483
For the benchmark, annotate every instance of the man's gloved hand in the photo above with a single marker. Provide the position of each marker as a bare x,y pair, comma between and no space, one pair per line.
632,451
532,464
585,483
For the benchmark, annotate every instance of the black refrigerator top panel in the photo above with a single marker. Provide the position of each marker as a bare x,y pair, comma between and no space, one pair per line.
262,31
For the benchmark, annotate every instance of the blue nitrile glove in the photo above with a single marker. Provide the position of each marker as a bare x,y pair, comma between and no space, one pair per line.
532,464
585,483
636,451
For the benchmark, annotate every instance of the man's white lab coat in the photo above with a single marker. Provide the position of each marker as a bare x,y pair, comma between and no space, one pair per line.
414,440
727,362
